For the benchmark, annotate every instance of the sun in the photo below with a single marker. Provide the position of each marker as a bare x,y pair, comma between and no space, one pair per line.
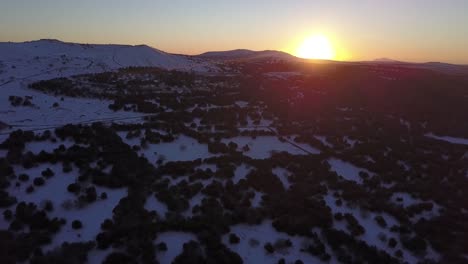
316,47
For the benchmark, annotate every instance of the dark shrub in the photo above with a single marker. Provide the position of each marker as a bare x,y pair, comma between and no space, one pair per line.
47,173
162,246
233,238
8,214
118,258
381,221
74,188
269,247
23,177
415,244
48,206
30,189
6,200
38,181
91,194
76,224
392,242
67,167
192,253
107,224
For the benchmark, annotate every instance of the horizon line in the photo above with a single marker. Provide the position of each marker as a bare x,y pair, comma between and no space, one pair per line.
383,60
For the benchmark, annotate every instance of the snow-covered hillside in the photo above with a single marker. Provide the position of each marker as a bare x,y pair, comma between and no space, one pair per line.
35,58
23,63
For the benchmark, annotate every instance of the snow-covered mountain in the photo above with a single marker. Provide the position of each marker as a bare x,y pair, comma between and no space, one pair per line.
34,58
27,62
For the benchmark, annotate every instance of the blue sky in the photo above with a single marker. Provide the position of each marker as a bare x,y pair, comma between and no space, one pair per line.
412,30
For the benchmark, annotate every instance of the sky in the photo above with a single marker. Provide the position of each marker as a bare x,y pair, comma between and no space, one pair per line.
408,30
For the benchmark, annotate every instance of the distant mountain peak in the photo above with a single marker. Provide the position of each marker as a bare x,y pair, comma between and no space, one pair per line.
242,54
48,40
228,53
385,60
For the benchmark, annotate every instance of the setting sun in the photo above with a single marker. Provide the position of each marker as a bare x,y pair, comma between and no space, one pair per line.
316,47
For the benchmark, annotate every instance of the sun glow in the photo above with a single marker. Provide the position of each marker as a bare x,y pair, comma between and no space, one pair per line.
316,47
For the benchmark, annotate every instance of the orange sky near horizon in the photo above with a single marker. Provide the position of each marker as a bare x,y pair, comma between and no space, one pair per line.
417,30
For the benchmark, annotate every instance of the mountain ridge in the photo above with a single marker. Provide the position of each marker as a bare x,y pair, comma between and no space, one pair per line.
246,54
114,56
66,58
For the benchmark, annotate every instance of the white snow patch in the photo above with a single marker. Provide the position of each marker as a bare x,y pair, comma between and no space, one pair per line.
242,104
90,216
405,123
253,238
175,181
283,175
404,164
405,200
153,204
240,173
262,147
350,141
194,201
372,229
453,140
184,148
324,141
48,146
347,170
257,199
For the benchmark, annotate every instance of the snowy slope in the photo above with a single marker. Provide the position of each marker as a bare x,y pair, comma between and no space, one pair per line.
24,63
19,60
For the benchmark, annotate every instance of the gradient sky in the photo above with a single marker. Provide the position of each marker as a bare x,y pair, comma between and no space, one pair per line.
410,30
